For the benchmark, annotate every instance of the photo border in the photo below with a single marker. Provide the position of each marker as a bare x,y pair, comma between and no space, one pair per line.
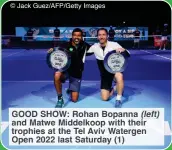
2,2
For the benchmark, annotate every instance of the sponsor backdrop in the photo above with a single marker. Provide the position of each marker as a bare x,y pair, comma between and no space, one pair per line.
45,33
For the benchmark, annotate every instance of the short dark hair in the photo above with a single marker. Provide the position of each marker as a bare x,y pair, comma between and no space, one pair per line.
77,30
104,29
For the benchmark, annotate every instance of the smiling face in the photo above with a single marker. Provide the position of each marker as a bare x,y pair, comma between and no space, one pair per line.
76,37
102,36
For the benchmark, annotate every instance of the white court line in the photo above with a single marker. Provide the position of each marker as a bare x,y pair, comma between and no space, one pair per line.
13,54
167,130
4,125
46,81
156,55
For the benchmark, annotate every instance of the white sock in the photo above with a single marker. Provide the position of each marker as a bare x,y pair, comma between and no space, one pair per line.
118,97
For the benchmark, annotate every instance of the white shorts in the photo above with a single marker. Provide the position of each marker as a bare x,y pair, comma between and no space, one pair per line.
164,38
136,40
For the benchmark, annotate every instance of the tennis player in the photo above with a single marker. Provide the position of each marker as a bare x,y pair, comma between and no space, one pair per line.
77,49
100,49
164,39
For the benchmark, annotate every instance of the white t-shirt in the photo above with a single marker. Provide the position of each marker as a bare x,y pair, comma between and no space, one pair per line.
99,53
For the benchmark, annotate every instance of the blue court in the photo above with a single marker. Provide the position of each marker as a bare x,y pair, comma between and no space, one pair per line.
27,82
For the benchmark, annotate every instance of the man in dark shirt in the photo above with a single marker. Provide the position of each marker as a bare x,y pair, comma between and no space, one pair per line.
56,33
30,34
136,34
84,34
29,39
76,50
56,36
111,34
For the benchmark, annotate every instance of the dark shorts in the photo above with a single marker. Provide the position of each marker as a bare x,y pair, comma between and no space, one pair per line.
74,83
106,82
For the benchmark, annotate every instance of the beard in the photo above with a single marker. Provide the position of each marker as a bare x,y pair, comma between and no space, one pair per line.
102,40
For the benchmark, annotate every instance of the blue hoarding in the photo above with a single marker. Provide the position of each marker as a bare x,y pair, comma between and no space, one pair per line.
46,33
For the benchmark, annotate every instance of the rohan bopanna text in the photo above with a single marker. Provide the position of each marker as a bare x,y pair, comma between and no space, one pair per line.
86,126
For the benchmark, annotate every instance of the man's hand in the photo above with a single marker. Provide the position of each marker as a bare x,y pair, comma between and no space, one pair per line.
50,50
119,50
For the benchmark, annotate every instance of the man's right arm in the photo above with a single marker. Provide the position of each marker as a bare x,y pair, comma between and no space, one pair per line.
50,50
48,57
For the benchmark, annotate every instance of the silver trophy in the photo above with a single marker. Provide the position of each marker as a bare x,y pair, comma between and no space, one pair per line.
59,59
116,62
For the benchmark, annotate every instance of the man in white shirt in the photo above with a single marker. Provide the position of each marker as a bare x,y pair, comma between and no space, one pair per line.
100,50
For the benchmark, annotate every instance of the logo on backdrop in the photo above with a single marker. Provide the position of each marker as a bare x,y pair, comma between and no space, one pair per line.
93,32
